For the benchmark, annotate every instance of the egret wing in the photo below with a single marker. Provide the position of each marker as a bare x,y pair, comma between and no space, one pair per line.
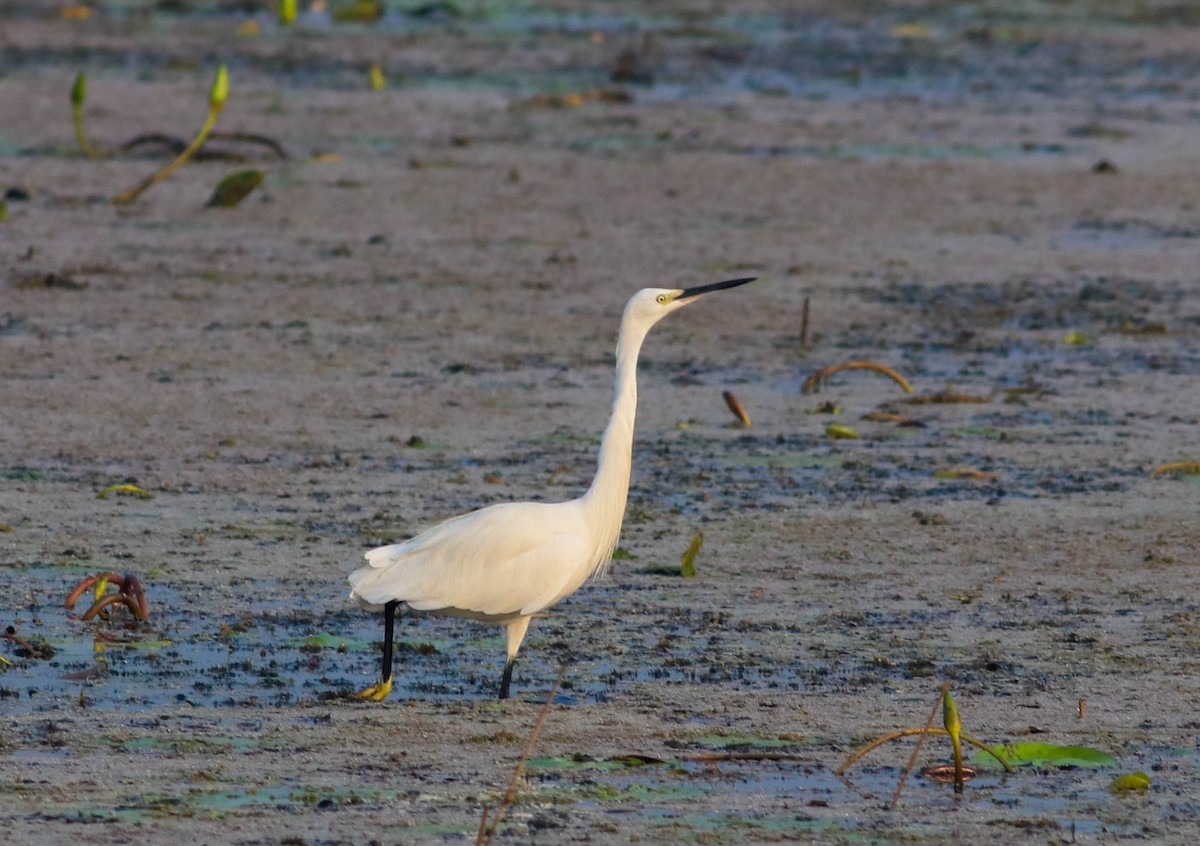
506,559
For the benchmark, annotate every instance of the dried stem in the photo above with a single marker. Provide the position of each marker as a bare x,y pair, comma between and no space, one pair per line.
486,834
11,636
912,759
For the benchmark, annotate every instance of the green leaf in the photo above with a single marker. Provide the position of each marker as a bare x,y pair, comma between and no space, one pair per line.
1130,782
234,188
79,89
839,432
219,92
326,640
1039,754
728,741
950,718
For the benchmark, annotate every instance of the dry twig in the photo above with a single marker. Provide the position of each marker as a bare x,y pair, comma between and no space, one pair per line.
488,832
813,383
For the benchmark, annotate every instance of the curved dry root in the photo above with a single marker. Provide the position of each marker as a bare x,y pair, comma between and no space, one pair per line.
129,592
813,383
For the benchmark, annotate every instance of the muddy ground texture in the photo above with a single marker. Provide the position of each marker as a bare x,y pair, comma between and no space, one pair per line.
413,316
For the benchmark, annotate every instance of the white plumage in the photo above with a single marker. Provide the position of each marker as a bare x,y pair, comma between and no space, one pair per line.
504,563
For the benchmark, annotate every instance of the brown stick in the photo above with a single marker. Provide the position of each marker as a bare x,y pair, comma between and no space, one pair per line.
912,759
804,324
12,638
485,837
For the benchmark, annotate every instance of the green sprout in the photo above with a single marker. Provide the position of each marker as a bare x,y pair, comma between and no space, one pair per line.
687,563
953,727
78,95
953,730
216,101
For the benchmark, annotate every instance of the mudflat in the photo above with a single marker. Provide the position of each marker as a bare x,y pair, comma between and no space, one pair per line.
414,315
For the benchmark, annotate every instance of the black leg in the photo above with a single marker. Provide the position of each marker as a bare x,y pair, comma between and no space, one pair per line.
389,629
506,679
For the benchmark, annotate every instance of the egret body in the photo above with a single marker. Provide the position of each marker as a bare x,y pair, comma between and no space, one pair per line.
504,563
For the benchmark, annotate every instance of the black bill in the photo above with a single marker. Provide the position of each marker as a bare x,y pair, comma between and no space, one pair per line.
689,293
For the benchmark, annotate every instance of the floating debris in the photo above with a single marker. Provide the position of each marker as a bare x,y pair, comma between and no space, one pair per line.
965,473
944,397
574,100
840,432
125,488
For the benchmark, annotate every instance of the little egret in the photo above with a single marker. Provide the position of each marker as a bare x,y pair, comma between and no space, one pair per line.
504,563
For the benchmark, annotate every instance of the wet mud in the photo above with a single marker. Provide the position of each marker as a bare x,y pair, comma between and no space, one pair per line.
413,316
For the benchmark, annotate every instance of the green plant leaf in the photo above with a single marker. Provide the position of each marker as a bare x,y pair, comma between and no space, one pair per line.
840,432
326,640
219,92
1130,782
234,188
79,89
1039,754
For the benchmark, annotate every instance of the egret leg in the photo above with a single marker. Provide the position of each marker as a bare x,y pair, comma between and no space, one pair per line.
506,679
379,692
516,634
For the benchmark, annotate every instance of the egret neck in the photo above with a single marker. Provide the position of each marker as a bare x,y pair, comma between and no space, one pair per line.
604,502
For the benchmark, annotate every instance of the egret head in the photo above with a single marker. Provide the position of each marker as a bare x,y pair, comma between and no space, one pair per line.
652,304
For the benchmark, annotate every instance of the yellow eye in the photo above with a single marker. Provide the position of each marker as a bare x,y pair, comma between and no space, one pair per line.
661,299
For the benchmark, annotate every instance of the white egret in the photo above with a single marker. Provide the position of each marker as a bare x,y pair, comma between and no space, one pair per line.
504,563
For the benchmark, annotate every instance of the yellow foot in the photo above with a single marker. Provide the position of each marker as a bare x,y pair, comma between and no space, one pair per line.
376,692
